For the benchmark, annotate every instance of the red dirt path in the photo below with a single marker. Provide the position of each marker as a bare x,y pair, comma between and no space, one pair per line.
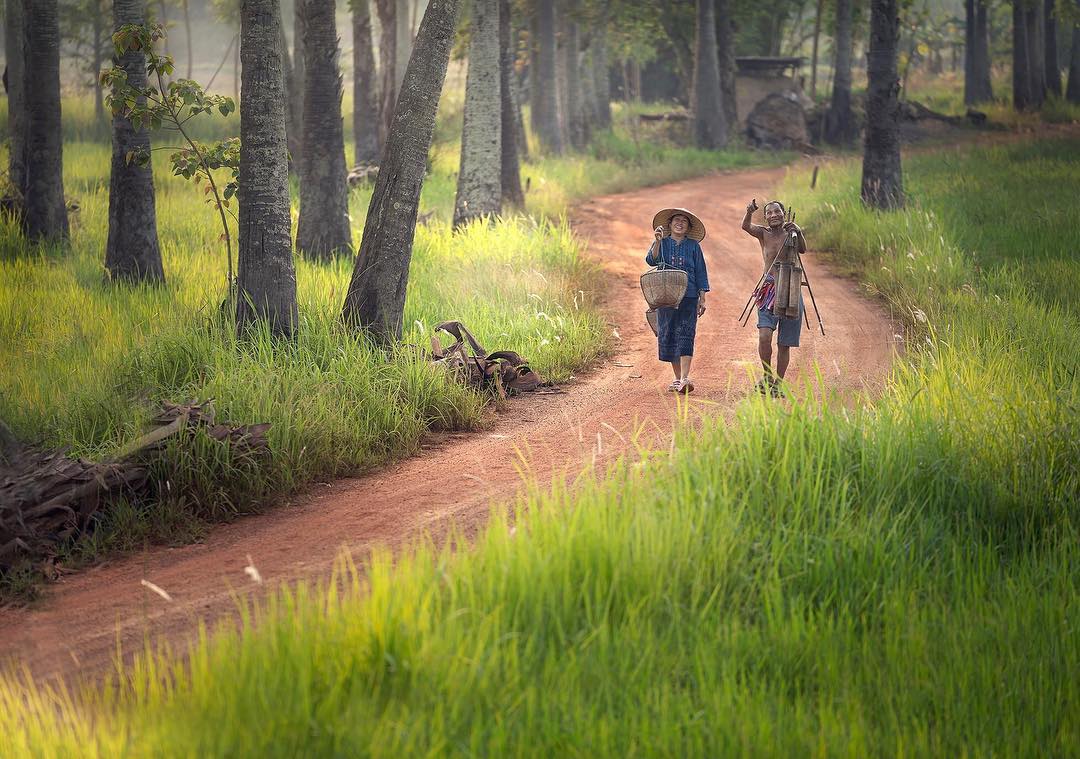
75,630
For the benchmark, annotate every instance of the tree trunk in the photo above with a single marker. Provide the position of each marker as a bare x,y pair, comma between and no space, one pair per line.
882,180
1021,74
840,128
97,61
546,119
132,252
561,73
187,32
983,90
293,94
1036,68
814,55
45,217
235,68
601,77
322,230
14,33
510,164
1072,93
296,93
365,97
535,86
403,41
479,189
376,297
710,123
576,128
1053,72
388,86
265,276
725,43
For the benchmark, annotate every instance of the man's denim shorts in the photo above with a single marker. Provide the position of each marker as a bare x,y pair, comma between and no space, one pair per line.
790,329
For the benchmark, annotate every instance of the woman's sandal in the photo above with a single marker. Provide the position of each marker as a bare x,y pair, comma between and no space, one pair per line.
674,386
686,386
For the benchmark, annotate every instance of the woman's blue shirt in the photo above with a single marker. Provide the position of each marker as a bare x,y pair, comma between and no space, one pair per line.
687,256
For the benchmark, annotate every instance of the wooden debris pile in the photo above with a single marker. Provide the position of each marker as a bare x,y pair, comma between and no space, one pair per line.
502,372
47,497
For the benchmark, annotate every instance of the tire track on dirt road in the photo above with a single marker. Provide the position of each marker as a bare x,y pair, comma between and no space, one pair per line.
75,630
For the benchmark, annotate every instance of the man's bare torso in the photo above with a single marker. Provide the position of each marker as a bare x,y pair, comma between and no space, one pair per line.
771,241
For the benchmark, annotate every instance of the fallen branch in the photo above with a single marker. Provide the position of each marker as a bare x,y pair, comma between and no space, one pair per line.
47,497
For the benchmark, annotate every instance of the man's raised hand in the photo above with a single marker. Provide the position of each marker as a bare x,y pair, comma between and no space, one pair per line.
752,206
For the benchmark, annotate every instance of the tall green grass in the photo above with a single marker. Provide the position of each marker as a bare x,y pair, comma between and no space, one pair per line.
87,363
899,579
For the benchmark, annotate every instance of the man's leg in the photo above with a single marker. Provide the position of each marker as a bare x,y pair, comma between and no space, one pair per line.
765,338
783,355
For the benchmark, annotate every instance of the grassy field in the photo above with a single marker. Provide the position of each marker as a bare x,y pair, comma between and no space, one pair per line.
87,363
894,580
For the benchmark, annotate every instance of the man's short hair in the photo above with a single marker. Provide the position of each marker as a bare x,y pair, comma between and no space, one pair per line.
774,202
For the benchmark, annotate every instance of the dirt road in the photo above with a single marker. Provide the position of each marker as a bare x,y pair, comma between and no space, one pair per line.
76,629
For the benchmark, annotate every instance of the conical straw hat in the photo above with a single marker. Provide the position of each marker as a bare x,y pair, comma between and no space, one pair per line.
663,219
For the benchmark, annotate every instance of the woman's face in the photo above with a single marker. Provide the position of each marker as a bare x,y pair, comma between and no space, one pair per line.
679,225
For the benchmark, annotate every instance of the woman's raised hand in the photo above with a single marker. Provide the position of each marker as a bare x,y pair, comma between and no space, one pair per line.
658,233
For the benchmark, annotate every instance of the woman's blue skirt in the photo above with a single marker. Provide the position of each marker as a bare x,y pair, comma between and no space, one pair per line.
676,329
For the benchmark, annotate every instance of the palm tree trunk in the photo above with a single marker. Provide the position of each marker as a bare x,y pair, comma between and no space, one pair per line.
376,297
882,179
265,276
814,55
365,97
296,91
601,76
547,116
725,44
132,252
984,89
510,163
98,35
388,85
1021,74
479,189
710,123
45,215
322,231
293,94
576,127
1036,71
403,42
14,32
840,128
1072,93
1053,72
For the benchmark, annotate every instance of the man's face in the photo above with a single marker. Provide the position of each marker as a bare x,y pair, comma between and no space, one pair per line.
679,224
774,217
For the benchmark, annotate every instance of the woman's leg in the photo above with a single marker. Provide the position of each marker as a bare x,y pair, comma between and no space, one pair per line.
684,366
676,367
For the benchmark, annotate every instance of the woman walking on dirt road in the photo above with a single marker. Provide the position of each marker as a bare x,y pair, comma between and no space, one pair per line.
677,233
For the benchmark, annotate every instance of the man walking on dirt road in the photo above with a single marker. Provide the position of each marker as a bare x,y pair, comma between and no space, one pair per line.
772,238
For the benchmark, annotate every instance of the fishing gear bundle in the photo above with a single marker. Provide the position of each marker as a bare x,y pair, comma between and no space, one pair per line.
781,293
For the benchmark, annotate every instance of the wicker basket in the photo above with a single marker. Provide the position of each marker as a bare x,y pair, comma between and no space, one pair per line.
664,287
650,317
